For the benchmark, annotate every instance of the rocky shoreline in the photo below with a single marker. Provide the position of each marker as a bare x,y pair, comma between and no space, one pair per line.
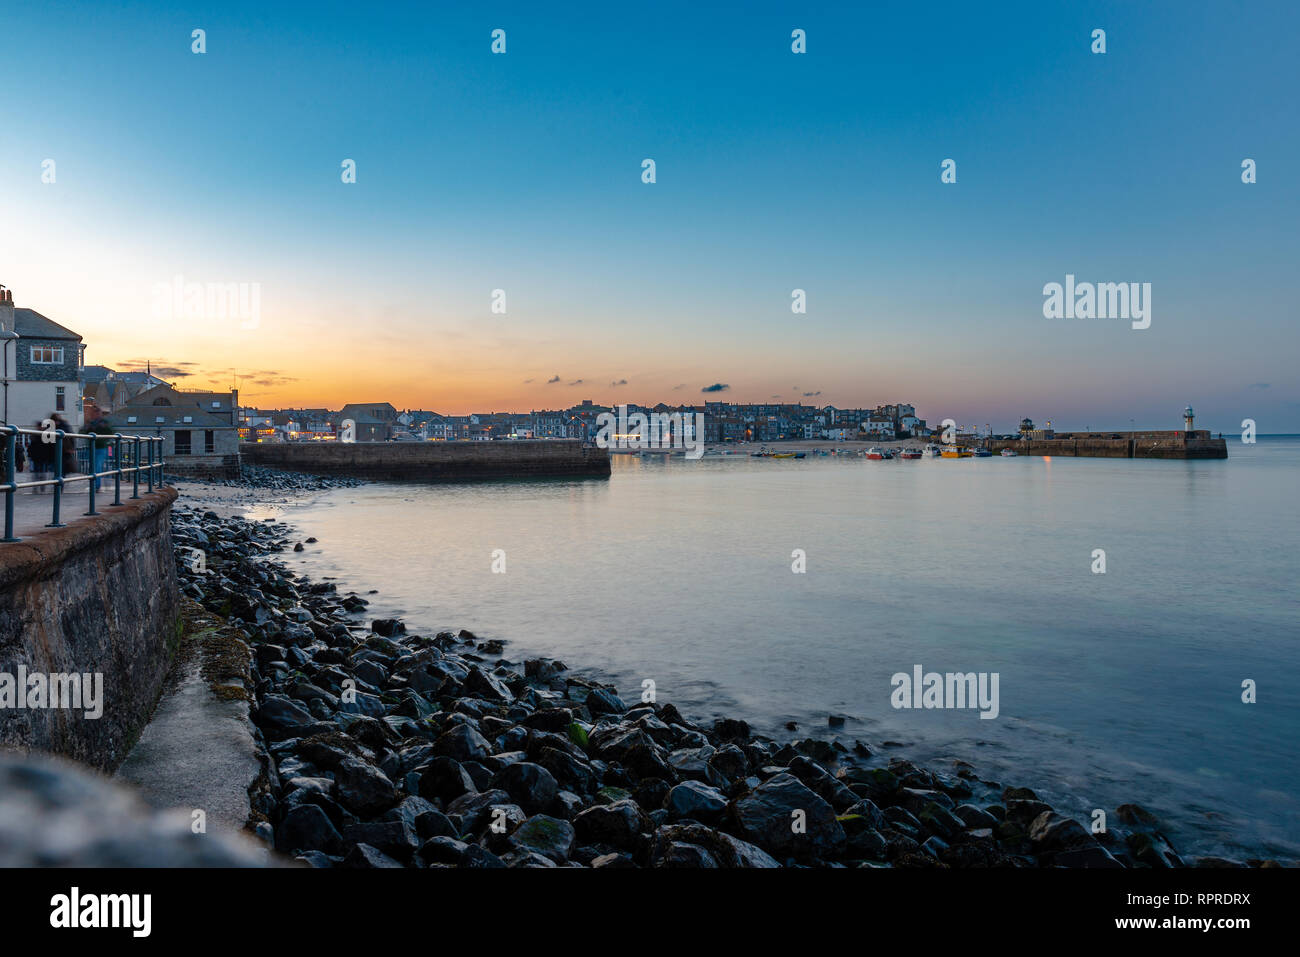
383,748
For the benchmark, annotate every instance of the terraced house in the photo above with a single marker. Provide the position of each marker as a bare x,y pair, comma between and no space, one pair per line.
40,368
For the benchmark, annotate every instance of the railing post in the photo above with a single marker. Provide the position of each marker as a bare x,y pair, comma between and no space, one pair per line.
93,478
135,472
117,461
58,477
11,451
149,474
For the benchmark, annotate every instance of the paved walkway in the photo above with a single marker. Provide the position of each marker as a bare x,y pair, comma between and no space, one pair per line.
32,512
197,752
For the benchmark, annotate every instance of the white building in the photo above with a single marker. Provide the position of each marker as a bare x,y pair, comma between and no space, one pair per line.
40,367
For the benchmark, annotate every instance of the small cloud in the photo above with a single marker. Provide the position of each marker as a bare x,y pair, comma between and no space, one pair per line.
576,382
163,370
1259,385
716,387
273,380
527,381
808,394
682,386
615,385
552,380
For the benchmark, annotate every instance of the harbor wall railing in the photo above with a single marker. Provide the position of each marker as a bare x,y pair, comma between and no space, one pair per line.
127,461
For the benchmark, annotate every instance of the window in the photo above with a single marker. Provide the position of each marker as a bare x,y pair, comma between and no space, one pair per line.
209,441
216,405
182,442
47,355
60,399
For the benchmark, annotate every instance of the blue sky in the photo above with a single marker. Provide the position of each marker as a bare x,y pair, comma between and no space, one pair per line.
775,171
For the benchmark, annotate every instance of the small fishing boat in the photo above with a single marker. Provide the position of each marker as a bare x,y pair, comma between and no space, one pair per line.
932,451
1008,453
910,454
875,454
956,452
981,453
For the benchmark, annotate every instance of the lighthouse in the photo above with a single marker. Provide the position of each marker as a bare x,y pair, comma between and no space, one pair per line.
1187,418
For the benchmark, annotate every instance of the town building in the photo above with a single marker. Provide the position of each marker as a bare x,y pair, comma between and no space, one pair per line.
40,370
198,442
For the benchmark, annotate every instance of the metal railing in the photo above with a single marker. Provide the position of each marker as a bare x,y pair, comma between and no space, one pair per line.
151,468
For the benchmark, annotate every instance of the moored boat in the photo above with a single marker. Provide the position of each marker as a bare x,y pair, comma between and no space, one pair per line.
956,452
910,454
875,453
1008,453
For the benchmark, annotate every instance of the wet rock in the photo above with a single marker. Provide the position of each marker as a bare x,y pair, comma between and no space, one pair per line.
487,686
363,856
397,839
307,827
975,817
1052,832
444,779
618,824
603,701
722,848
548,836
529,785
695,800
363,788
768,816
280,717
470,811
463,743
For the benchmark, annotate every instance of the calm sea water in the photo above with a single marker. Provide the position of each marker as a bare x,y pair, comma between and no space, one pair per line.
1115,687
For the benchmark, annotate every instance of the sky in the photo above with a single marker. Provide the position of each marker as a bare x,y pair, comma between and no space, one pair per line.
774,171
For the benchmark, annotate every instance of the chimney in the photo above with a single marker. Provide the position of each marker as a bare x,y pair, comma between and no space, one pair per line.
6,310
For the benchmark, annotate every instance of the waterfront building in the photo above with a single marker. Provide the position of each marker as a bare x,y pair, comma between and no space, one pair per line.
40,369
197,442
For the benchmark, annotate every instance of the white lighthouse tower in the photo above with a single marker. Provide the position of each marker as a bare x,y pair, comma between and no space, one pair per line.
1187,418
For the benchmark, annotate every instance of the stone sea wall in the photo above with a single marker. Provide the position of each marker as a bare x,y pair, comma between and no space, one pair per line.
433,461
1141,447
93,598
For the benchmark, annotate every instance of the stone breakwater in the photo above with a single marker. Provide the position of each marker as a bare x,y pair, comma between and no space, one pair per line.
434,461
277,480
386,749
